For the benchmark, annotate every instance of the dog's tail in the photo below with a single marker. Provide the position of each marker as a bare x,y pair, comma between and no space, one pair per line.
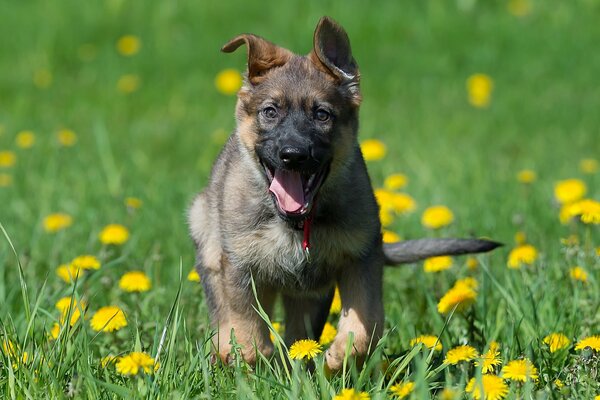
418,249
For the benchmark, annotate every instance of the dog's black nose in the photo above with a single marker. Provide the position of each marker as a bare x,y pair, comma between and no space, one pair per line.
293,156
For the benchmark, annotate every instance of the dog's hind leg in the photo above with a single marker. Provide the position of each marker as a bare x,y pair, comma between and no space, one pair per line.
305,317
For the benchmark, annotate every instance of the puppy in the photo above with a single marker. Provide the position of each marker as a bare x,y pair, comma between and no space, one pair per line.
290,206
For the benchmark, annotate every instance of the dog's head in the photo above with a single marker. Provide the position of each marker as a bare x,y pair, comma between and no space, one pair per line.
297,115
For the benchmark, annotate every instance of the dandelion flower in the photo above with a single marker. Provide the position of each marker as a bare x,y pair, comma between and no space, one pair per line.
109,359
385,217
66,137
86,262
460,353
449,394
589,166
558,383
494,388
436,217
135,362
437,264
228,81
68,272
578,274
128,45
25,139
402,203
42,78
108,319
395,181
193,276
472,263
336,303
70,305
490,359
373,149
459,296
591,341
133,203
351,394
55,331
588,210
402,390
430,341
557,341
57,222
468,282
390,237
7,159
305,348
129,83
135,281
277,327
5,180
520,255
520,370
328,334
569,190
526,176
479,89
114,234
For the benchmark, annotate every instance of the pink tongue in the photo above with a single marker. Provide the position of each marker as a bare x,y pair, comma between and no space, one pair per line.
287,187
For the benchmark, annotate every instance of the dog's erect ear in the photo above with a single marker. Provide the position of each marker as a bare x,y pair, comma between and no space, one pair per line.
331,49
262,55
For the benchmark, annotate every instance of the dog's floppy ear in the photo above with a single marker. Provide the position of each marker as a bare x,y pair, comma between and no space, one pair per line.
262,55
331,50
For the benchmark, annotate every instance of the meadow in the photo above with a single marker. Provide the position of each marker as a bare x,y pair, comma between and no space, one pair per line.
112,112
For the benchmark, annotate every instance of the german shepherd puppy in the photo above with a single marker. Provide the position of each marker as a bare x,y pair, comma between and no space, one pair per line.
289,205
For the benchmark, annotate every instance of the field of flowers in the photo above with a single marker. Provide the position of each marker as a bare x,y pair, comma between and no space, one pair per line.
479,119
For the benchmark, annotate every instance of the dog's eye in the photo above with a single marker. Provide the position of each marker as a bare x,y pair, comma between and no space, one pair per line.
270,112
322,115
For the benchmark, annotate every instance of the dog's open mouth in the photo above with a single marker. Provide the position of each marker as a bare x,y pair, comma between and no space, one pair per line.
294,192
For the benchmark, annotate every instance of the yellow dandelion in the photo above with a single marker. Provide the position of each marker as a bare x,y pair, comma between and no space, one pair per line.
429,341
128,83
128,45
402,390
193,276
588,211
390,237
522,255
133,203
277,327
9,348
459,354
472,263
520,238
42,78
449,394
479,89
87,52
228,81
578,274
468,282
108,319
589,166
66,137
304,349
68,272
520,370
336,303
395,181
70,305
460,296
351,394
557,341
7,159
135,281
558,383
519,8
490,359
526,176
57,222
25,139
114,234
494,388
135,362
86,262
384,198
386,217
5,180
436,217
437,264
569,190
590,341
373,149
402,203
55,331
107,360
328,334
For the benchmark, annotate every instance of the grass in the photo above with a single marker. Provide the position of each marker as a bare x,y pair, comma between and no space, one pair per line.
158,143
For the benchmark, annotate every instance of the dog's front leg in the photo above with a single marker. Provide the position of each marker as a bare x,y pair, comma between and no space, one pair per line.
360,287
